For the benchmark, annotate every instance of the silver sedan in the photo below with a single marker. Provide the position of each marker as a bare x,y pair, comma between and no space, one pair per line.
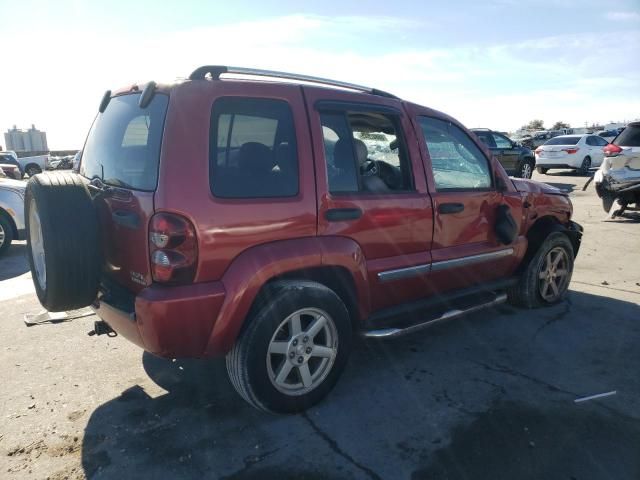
11,212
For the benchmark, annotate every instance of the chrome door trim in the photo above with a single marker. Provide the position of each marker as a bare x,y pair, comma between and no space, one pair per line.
415,270
470,260
401,273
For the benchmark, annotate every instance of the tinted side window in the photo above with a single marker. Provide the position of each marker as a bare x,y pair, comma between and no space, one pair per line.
630,137
486,138
253,151
457,163
365,152
592,141
502,142
601,142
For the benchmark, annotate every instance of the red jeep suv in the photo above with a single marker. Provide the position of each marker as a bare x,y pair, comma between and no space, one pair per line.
266,217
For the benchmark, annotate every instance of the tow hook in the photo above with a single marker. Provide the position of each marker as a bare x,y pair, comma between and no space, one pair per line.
102,328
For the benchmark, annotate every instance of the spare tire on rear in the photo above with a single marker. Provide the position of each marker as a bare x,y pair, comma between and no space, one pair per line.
63,245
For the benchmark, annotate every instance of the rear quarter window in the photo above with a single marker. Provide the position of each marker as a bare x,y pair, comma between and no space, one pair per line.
253,150
123,146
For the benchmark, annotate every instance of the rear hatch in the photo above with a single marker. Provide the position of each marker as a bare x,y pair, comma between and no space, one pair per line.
121,157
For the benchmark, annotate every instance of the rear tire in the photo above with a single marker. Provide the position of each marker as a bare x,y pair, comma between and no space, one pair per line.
526,169
529,290
32,170
542,170
585,166
62,240
607,201
6,234
257,370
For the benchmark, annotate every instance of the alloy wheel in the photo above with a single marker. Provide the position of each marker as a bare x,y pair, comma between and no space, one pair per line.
554,274
302,351
2,235
526,170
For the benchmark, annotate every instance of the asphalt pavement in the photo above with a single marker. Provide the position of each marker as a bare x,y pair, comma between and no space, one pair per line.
492,395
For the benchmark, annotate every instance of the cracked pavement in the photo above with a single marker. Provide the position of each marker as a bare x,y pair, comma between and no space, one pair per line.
486,396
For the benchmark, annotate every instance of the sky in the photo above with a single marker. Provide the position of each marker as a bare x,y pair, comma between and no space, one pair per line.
493,63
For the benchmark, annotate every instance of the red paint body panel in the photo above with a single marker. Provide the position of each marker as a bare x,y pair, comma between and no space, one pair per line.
242,244
126,248
227,227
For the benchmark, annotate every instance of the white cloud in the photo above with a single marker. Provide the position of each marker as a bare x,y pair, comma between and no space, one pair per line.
60,75
623,16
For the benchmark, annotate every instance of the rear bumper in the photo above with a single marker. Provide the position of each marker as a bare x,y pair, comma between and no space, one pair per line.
168,321
555,164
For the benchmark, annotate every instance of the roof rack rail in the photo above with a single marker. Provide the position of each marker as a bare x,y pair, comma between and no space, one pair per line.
216,70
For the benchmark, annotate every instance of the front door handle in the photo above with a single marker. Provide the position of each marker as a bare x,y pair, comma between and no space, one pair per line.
341,214
445,208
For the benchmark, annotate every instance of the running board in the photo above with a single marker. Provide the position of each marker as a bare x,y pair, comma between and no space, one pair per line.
450,315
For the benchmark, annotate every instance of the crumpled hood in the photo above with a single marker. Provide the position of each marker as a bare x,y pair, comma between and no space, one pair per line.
532,186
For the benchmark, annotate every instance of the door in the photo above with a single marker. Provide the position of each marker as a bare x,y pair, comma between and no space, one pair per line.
372,189
508,156
596,146
465,250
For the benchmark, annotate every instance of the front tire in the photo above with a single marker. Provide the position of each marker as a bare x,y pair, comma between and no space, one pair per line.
542,170
293,349
6,234
545,279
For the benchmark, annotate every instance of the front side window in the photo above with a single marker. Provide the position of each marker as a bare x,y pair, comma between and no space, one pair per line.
365,152
456,161
253,151
501,141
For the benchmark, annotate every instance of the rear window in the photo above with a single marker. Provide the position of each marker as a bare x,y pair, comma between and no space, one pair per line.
563,141
123,147
253,151
630,137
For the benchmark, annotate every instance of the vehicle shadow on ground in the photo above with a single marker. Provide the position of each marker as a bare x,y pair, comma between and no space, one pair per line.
14,263
487,396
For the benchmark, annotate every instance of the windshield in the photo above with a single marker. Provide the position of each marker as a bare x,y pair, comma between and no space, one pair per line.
123,147
563,141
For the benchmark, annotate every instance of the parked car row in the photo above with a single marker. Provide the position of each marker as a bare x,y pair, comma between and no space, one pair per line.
27,165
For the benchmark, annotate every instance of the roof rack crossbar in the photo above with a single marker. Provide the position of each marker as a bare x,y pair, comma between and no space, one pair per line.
216,70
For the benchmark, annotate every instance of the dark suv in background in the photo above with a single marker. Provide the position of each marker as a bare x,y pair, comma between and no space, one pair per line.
516,159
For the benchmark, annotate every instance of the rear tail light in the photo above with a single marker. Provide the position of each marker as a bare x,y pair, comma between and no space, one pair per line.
570,150
538,150
173,249
612,149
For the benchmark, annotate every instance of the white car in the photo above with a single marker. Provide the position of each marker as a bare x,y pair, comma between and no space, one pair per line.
578,152
11,212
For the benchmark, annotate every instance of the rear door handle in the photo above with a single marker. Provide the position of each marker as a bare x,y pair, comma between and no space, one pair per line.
445,208
341,214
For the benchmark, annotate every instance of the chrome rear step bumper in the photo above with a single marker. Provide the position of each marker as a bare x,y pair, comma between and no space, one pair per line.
449,315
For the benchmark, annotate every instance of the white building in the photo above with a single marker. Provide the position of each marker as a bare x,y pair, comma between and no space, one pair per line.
32,140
